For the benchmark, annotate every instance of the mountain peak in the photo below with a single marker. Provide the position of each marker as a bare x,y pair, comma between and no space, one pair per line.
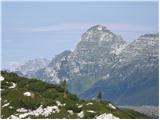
146,39
150,35
97,33
99,28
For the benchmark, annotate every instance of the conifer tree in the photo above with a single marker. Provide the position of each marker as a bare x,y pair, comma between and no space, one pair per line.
99,95
64,86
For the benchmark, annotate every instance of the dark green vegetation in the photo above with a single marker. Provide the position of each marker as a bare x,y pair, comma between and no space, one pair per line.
43,94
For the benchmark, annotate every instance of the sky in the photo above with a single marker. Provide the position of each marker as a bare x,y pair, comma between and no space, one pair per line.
44,29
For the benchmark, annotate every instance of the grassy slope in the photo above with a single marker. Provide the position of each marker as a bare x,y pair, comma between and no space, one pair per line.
47,95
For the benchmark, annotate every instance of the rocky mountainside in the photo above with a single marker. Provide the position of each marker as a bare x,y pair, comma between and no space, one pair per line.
56,69
23,98
102,61
96,51
93,56
134,77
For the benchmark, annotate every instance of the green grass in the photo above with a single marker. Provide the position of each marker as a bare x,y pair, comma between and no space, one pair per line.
47,95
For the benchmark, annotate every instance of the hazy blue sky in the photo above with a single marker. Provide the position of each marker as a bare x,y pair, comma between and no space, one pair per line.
44,29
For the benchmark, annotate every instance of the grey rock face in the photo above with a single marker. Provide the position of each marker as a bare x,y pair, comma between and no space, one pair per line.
97,48
92,57
134,76
55,71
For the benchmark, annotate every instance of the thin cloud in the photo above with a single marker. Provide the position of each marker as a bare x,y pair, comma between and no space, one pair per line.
56,28
131,28
72,27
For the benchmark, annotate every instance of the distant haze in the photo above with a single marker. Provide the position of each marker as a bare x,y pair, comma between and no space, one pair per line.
44,29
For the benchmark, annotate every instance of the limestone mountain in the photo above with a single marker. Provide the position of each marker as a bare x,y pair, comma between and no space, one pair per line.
91,59
134,77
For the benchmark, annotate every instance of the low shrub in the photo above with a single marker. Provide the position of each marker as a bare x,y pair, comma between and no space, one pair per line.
72,106
89,115
29,103
48,102
37,86
73,97
50,94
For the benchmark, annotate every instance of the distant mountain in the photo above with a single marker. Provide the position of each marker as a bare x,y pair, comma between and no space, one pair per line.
30,66
23,98
52,72
126,74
